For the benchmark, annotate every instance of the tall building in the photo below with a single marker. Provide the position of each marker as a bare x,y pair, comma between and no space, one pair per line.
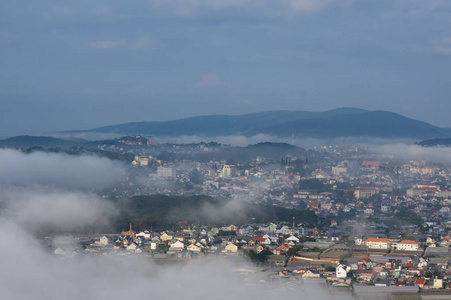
228,171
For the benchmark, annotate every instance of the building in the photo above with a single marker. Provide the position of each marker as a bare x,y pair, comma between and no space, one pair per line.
166,172
407,245
341,271
103,241
228,171
230,248
371,165
365,192
378,243
339,170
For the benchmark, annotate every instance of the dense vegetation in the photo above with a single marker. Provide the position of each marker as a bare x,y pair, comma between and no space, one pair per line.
436,142
164,212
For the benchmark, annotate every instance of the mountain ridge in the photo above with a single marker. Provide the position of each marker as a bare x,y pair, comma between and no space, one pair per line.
341,122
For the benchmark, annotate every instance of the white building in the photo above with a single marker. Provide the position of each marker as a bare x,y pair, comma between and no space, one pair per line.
228,171
177,246
144,234
103,241
408,245
166,172
339,170
378,243
341,271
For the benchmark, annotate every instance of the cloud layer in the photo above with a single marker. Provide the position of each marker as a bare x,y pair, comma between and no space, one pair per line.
59,170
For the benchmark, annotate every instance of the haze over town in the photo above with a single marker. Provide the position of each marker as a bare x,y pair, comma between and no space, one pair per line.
190,149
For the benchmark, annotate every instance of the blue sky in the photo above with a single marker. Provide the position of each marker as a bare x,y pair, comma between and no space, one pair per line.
83,64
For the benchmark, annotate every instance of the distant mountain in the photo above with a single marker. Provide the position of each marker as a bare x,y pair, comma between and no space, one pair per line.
343,122
46,142
25,141
436,142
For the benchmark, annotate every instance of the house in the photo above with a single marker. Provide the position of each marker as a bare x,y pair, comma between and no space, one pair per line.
283,230
423,262
438,283
341,271
193,248
230,248
263,241
59,251
144,234
282,249
293,238
129,233
132,247
103,241
165,237
334,237
177,246
420,282
311,274
366,276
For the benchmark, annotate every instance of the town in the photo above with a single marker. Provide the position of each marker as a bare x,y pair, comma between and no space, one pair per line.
384,222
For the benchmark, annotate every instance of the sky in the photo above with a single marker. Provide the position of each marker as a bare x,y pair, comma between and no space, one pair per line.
67,65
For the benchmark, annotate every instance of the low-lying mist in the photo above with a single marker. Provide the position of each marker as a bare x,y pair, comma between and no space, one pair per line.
50,193
45,209
415,152
58,170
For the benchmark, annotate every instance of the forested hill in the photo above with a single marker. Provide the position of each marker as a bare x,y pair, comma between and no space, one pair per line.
164,212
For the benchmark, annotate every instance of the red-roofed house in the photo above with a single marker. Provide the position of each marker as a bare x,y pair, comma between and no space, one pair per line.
281,249
420,282
263,241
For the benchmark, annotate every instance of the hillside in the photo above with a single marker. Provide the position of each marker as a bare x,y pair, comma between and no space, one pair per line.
344,122
162,212
25,141
436,143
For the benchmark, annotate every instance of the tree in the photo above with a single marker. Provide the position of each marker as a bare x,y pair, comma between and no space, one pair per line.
330,269
293,251
312,184
260,257
196,177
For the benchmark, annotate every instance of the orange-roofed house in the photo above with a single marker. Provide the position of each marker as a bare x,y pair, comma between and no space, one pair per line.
378,243
408,245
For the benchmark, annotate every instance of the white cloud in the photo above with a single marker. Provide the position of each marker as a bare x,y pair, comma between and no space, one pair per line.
414,152
59,170
209,81
40,208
